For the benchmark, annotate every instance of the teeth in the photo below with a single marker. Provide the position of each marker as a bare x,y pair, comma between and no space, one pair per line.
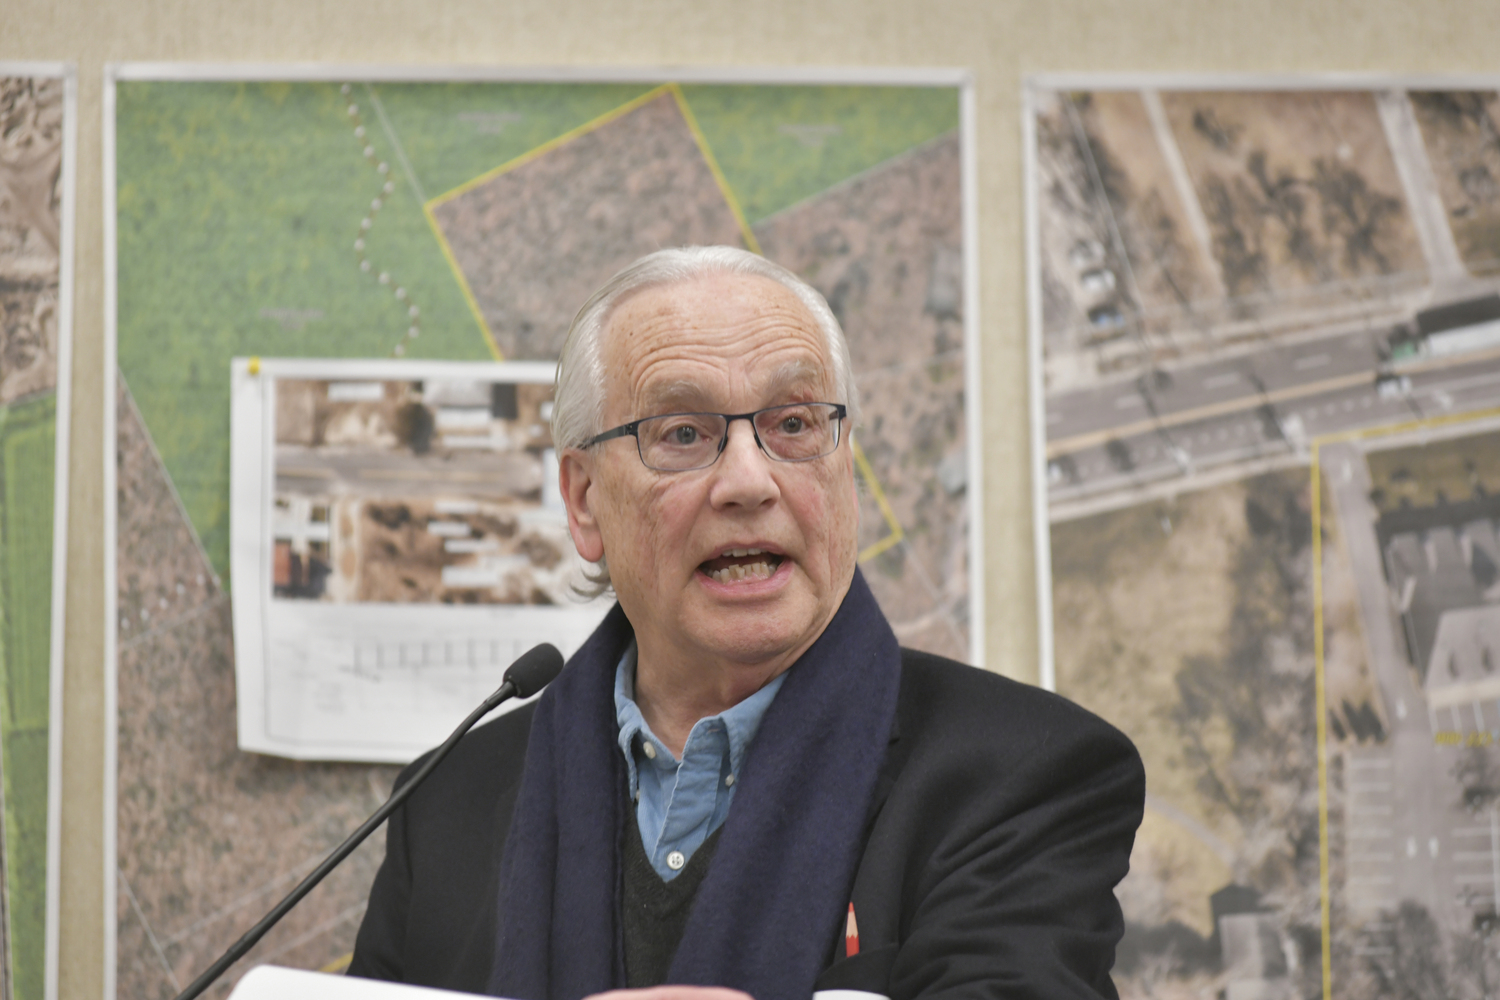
745,552
734,574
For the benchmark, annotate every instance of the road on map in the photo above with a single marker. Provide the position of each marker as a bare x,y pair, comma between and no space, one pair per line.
1260,407
1405,821
320,472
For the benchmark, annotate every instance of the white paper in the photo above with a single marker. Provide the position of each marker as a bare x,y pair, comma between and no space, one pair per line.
266,982
395,543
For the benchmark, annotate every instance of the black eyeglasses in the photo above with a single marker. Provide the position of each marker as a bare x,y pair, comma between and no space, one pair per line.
681,442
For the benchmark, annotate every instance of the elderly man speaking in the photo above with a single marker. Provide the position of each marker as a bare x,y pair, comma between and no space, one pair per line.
741,781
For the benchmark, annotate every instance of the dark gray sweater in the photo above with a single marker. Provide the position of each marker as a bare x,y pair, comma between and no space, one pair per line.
655,911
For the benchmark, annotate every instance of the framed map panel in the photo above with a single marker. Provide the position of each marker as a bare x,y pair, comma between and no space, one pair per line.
463,215
1265,321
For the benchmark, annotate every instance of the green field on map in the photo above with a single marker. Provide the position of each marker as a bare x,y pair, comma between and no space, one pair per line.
240,203
27,433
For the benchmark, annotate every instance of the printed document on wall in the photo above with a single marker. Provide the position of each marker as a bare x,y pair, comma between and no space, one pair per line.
397,540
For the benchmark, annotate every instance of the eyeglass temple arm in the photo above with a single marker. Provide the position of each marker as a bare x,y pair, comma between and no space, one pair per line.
624,430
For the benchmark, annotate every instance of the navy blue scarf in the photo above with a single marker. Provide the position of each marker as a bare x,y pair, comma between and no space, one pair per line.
773,901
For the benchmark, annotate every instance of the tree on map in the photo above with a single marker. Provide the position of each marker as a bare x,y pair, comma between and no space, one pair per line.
1417,968
1258,697
1477,774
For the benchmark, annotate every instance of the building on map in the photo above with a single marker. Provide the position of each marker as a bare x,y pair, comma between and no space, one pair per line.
1465,663
301,562
1255,957
1439,560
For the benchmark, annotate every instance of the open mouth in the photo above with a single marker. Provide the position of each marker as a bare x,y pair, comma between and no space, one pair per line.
741,565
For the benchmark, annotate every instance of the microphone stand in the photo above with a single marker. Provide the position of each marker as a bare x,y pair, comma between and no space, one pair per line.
534,665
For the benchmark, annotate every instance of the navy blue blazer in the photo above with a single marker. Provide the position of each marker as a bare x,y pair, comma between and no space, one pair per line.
1003,819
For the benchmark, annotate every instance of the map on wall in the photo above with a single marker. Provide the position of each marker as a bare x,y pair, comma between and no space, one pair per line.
1269,332
463,221
36,112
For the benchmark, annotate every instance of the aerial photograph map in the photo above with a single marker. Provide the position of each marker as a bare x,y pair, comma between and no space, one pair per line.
456,221
410,452
1269,330
32,125
399,538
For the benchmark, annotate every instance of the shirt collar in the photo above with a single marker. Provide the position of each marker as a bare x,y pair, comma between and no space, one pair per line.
740,722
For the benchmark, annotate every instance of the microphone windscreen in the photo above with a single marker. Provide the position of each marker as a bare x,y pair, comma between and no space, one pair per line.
535,669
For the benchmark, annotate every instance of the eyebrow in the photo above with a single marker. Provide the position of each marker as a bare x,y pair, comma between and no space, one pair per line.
792,375
679,396
683,396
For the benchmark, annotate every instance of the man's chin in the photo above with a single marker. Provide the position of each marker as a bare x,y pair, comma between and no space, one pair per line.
752,635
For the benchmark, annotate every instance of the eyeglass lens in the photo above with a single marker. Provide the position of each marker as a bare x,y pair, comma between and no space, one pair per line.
794,433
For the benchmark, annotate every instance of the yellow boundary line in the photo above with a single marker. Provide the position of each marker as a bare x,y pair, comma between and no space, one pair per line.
1320,701
897,532
550,145
751,243
1319,675
338,964
699,139
463,283
506,167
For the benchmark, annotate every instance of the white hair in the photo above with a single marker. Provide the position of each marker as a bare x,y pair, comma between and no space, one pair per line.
578,400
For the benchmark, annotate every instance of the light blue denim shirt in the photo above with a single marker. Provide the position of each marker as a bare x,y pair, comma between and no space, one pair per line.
679,803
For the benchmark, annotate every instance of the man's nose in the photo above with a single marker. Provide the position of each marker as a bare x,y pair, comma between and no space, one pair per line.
742,475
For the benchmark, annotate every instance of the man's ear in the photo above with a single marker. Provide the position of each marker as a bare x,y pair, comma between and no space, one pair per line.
575,477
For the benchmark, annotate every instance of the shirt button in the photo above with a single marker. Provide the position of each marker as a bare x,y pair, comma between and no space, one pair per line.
675,861
729,781
649,749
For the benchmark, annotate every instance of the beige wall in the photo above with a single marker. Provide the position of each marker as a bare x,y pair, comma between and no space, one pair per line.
1001,40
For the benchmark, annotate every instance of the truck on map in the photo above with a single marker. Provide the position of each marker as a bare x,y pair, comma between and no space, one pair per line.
1467,326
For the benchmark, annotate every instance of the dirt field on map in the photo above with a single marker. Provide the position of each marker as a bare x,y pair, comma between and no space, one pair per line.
1298,207
1299,188
535,241
1188,624
31,114
885,251
1462,132
207,833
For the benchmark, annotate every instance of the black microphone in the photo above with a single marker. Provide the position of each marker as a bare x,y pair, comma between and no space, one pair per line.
533,671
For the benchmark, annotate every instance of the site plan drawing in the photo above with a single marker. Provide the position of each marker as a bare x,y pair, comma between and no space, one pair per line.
38,109
1266,346
431,216
398,540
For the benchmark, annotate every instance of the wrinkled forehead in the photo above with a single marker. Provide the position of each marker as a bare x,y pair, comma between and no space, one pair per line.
712,342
